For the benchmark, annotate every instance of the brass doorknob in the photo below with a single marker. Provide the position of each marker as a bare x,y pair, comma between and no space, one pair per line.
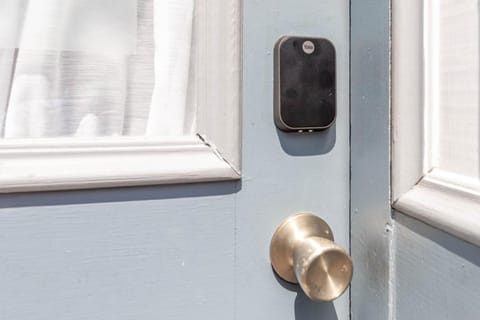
302,251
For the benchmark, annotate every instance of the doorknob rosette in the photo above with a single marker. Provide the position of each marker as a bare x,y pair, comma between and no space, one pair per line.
302,251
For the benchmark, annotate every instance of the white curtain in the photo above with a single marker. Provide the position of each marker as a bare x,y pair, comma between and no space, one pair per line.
71,68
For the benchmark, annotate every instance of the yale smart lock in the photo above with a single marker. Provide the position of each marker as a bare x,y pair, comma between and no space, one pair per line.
305,84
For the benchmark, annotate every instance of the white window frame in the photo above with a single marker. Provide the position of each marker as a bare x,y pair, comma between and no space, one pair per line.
213,154
439,198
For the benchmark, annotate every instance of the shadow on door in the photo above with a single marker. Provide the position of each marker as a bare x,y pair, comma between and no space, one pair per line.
306,309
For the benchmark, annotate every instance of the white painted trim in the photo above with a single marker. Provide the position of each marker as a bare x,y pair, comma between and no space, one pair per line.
213,154
442,199
59,164
407,95
447,202
219,76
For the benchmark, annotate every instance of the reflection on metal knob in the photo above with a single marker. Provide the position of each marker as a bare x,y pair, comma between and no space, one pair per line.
302,251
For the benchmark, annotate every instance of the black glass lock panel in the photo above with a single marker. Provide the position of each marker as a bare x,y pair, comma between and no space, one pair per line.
305,84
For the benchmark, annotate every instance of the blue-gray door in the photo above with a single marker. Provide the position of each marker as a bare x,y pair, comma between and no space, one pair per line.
195,251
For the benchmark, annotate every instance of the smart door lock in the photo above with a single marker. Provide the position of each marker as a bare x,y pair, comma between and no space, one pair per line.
305,84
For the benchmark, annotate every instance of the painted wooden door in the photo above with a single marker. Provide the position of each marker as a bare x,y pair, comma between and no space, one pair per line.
196,251
421,259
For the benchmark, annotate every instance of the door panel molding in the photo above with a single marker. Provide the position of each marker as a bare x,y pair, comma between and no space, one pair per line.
212,154
56,164
446,201
421,187
407,92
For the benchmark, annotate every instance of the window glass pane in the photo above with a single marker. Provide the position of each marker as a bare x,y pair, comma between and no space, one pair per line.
455,79
77,25
98,89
